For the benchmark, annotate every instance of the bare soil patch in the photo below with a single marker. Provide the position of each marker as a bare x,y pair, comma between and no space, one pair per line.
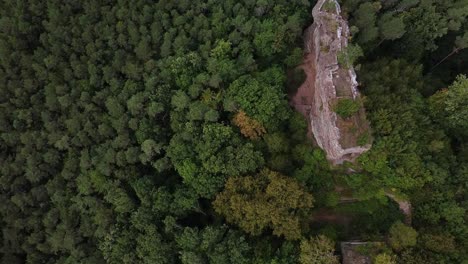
303,99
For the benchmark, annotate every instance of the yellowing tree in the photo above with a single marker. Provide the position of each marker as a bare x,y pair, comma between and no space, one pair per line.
402,236
318,250
249,127
266,200
385,258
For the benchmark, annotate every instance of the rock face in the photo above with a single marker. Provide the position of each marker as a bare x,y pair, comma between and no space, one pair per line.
327,82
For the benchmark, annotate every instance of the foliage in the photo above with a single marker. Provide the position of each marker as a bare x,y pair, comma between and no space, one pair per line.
249,127
348,56
384,258
117,129
212,245
450,106
394,147
363,139
346,107
266,200
365,20
314,171
204,161
417,148
261,97
296,78
373,250
391,27
269,253
401,236
329,6
370,218
318,250
113,126
442,243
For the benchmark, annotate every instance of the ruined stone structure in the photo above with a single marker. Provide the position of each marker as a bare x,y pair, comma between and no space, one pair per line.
351,255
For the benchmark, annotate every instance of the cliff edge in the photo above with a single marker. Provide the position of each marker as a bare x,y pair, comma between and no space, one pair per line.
329,97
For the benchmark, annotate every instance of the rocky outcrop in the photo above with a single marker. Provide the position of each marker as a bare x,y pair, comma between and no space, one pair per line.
327,82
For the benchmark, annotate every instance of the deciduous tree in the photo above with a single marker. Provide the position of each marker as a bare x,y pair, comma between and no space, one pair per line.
318,250
267,200
249,127
401,236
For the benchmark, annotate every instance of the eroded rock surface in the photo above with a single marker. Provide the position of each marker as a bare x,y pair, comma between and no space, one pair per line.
326,83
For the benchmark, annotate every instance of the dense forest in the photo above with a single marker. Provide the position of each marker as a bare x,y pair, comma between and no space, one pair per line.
160,132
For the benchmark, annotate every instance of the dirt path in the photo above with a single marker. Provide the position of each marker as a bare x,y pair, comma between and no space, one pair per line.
302,101
405,206
325,215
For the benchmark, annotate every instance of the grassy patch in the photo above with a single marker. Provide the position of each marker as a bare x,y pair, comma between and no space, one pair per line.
363,139
349,55
334,26
346,107
329,6
342,58
324,47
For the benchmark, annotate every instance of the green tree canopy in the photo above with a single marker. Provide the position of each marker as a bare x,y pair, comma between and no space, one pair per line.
212,245
318,250
261,97
401,236
451,105
266,200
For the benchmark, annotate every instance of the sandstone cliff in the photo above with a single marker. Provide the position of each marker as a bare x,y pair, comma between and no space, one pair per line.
327,82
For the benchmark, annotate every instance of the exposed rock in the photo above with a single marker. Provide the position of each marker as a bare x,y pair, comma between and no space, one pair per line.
326,83
351,255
